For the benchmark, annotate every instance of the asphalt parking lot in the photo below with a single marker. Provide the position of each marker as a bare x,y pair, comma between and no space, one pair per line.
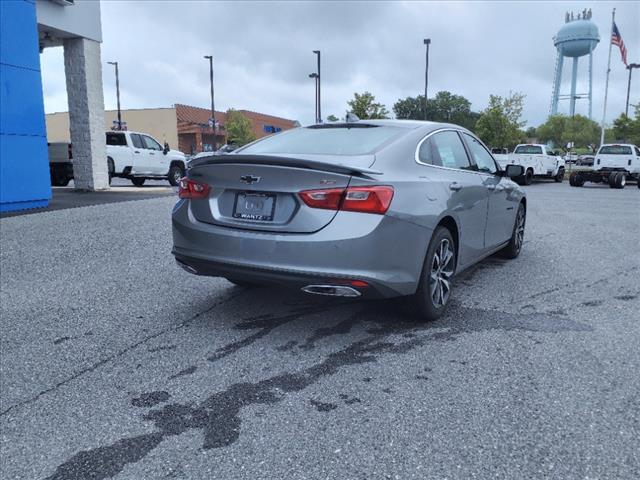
117,364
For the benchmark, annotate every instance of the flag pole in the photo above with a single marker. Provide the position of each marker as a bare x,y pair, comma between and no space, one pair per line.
606,85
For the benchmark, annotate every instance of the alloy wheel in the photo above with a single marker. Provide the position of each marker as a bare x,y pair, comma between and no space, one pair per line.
519,230
442,267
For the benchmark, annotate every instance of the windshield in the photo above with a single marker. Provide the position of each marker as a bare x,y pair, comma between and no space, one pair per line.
334,140
530,149
615,150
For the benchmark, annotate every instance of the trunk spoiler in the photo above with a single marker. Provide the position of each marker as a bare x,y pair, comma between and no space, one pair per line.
311,162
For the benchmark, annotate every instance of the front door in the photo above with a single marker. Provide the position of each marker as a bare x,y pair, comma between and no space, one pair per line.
141,158
502,205
157,159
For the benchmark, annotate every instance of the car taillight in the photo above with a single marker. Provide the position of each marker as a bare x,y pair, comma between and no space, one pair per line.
328,199
374,199
192,189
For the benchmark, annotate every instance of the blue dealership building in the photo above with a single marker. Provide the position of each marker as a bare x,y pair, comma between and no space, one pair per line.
26,28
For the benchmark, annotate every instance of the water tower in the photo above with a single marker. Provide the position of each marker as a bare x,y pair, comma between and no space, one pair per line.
577,38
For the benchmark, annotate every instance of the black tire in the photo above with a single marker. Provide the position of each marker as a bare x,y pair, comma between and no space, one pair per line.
559,176
528,177
435,279
621,180
138,182
638,182
576,180
110,169
513,248
176,172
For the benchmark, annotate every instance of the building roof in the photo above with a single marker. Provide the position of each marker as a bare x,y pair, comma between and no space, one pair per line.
200,116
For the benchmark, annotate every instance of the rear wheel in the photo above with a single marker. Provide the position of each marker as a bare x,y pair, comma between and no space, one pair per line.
138,182
512,250
176,172
528,177
576,179
434,289
559,176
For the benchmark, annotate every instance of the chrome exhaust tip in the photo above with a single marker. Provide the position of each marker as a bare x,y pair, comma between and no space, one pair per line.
331,290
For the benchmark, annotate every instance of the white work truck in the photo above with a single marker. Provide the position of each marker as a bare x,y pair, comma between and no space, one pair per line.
138,157
537,161
132,155
613,164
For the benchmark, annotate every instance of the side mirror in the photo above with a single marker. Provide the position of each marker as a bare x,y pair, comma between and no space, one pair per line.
166,148
514,171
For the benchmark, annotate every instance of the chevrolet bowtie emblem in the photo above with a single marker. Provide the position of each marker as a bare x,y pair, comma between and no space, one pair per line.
249,179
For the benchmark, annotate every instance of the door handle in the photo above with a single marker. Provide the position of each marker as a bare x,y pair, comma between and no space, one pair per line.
136,151
151,153
455,186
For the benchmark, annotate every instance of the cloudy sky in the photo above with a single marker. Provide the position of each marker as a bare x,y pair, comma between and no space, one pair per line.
263,54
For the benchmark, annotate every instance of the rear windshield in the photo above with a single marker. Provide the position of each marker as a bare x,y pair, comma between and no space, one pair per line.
530,149
353,140
615,150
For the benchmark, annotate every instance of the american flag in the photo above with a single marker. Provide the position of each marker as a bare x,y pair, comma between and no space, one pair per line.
616,39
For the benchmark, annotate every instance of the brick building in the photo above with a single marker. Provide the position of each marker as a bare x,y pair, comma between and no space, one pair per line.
184,127
195,135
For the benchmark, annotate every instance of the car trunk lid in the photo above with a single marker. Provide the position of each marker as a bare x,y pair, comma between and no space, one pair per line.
260,192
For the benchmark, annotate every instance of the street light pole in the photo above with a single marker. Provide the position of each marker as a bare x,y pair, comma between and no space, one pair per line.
317,52
427,42
315,77
213,111
117,94
630,68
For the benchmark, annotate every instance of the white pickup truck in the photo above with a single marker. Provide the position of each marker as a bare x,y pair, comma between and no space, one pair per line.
613,164
537,160
132,155
138,157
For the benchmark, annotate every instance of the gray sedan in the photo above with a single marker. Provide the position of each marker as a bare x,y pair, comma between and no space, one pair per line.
376,208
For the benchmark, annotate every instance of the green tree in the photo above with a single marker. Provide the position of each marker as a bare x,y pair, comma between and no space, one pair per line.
561,129
500,123
531,132
365,107
627,129
332,118
443,107
239,131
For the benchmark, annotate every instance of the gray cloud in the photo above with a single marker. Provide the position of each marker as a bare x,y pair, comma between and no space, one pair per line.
262,53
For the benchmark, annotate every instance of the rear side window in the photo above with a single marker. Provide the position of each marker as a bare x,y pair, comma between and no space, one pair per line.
136,140
615,150
637,151
116,139
447,150
334,140
530,149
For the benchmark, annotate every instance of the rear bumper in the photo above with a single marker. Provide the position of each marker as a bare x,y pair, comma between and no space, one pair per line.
383,251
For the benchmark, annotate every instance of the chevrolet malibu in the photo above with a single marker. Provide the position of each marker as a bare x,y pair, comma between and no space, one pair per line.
375,208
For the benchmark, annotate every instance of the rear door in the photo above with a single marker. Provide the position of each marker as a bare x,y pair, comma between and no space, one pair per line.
468,197
262,196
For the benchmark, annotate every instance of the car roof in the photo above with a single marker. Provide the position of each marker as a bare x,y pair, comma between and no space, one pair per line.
388,122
